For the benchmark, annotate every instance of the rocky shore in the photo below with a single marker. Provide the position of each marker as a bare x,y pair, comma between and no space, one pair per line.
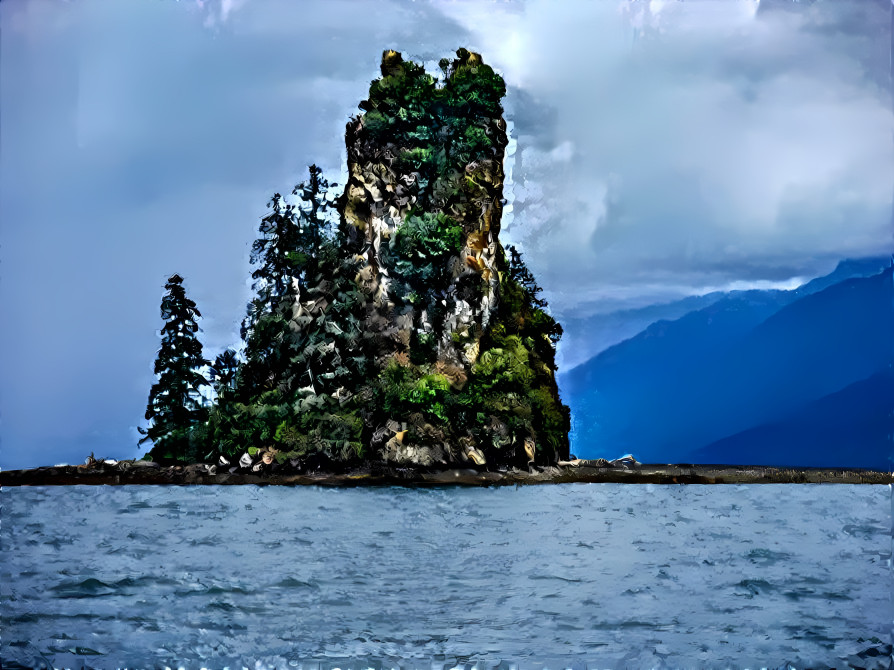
625,471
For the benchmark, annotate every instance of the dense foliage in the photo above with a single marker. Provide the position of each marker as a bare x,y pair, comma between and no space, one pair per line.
391,323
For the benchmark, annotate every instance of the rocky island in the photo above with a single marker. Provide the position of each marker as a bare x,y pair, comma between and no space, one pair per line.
389,322
392,338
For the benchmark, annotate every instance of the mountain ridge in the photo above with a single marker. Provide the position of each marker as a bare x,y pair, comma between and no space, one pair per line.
680,385
844,269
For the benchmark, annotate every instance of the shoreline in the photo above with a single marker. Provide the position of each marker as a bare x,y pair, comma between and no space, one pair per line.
128,473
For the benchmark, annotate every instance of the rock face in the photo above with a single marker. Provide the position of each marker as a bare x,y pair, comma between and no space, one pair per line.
460,340
426,193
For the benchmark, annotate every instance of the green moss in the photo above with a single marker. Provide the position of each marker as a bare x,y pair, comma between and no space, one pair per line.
419,253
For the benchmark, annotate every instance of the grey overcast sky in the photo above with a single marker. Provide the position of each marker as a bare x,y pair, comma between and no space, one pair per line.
661,149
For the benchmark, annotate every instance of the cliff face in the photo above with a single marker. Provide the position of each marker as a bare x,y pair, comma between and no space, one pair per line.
461,344
425,192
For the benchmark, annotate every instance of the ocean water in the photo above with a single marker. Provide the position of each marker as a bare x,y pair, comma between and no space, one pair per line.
564,576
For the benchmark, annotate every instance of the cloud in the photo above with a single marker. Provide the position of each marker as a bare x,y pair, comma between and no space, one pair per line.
696,144
140,139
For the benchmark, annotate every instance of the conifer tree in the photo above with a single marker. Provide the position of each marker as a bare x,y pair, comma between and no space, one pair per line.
223,433
328,360
520,274
223,371
287,256
265,328
273,256
289,342
534,307
320,254
175,405
314,224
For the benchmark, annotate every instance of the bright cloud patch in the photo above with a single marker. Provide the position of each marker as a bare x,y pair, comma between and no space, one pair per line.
696,144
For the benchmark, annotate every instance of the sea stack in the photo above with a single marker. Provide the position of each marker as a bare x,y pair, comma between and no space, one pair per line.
400,330
458,335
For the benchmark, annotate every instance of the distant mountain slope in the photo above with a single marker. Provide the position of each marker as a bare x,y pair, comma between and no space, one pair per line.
738,363
848,428
846,269
588,336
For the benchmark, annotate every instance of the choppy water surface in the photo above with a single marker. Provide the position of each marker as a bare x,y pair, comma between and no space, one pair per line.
599,575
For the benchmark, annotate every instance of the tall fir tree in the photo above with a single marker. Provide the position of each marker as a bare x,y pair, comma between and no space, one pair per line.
265,328
314,224
223,433
287,251
176,408
273,255
295,244
519,273
328,361
287,257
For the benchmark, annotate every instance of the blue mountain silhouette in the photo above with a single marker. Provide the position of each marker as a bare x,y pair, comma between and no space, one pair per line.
749,359
848,428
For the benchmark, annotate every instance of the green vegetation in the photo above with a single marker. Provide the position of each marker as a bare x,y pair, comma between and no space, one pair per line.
175,406
390,323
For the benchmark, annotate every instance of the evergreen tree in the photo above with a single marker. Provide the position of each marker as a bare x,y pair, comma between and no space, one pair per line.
292,349
320,255
533,305
320,353
266,326
314,224
328,360
287,256
223,433
175,405
273,256
520,274
223,371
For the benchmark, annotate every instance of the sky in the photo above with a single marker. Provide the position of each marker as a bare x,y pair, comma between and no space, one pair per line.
661,149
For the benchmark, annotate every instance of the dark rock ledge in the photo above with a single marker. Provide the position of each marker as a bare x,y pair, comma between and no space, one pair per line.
384,474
